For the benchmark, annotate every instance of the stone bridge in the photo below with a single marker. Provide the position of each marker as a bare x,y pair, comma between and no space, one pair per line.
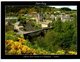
32,34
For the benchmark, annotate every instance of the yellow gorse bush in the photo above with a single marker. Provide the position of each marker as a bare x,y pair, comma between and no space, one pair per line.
18,48
8,42
21,40
61,52
72,53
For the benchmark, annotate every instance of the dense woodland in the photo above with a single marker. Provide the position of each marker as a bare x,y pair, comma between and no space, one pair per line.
61,40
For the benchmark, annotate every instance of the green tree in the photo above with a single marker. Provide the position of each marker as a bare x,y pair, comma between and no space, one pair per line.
65,9
52,41
57,25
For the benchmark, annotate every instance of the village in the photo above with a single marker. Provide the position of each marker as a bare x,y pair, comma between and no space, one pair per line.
44,20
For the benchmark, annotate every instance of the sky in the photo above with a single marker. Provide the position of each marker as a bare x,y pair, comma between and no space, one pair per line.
71,7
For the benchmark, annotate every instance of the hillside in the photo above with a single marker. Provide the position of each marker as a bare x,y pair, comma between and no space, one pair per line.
60,40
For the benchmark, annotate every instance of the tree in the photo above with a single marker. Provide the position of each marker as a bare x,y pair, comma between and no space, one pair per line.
65,9
57,25
52,41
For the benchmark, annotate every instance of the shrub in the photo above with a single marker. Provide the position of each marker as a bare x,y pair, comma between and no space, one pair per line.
51,41
18,48
11,35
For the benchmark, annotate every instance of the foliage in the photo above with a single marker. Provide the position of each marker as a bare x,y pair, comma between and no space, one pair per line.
72,53
19,48
63,36
60,52
11,35
9,27
65,9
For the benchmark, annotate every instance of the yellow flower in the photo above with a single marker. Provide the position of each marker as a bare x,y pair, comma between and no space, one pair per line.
17,43
12,51
28,49
19,52
24,49
60,52
9,42
21,40
19,46
72,52
12,46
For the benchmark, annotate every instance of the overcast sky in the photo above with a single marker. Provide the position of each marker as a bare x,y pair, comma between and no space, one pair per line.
71,7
